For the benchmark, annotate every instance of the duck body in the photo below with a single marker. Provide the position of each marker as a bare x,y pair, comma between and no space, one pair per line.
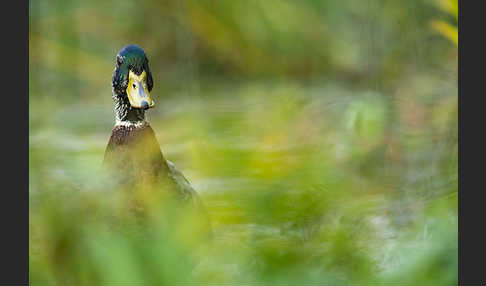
133,153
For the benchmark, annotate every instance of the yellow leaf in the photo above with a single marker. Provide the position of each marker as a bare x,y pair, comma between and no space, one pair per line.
446,30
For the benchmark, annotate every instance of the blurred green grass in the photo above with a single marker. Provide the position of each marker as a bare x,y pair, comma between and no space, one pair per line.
321,136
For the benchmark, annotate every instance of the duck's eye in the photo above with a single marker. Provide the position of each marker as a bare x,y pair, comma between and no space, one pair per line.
134,86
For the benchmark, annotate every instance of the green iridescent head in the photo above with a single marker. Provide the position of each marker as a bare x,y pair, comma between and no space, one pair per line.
132,80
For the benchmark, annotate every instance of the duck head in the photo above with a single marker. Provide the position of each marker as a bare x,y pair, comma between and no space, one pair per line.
132,83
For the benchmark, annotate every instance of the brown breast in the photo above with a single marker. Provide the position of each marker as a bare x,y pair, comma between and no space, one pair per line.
134,154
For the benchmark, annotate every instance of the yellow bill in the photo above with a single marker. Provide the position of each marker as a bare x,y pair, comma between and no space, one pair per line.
137,91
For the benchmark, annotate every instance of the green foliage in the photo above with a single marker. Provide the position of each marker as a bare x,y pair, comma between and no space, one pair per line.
321,136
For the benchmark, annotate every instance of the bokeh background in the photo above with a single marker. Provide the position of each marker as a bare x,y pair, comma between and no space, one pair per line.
321,135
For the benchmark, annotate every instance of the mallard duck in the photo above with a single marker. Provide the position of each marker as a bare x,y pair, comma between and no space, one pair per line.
133,150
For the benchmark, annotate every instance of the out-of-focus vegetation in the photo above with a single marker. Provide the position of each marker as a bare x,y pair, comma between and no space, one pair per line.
321,136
